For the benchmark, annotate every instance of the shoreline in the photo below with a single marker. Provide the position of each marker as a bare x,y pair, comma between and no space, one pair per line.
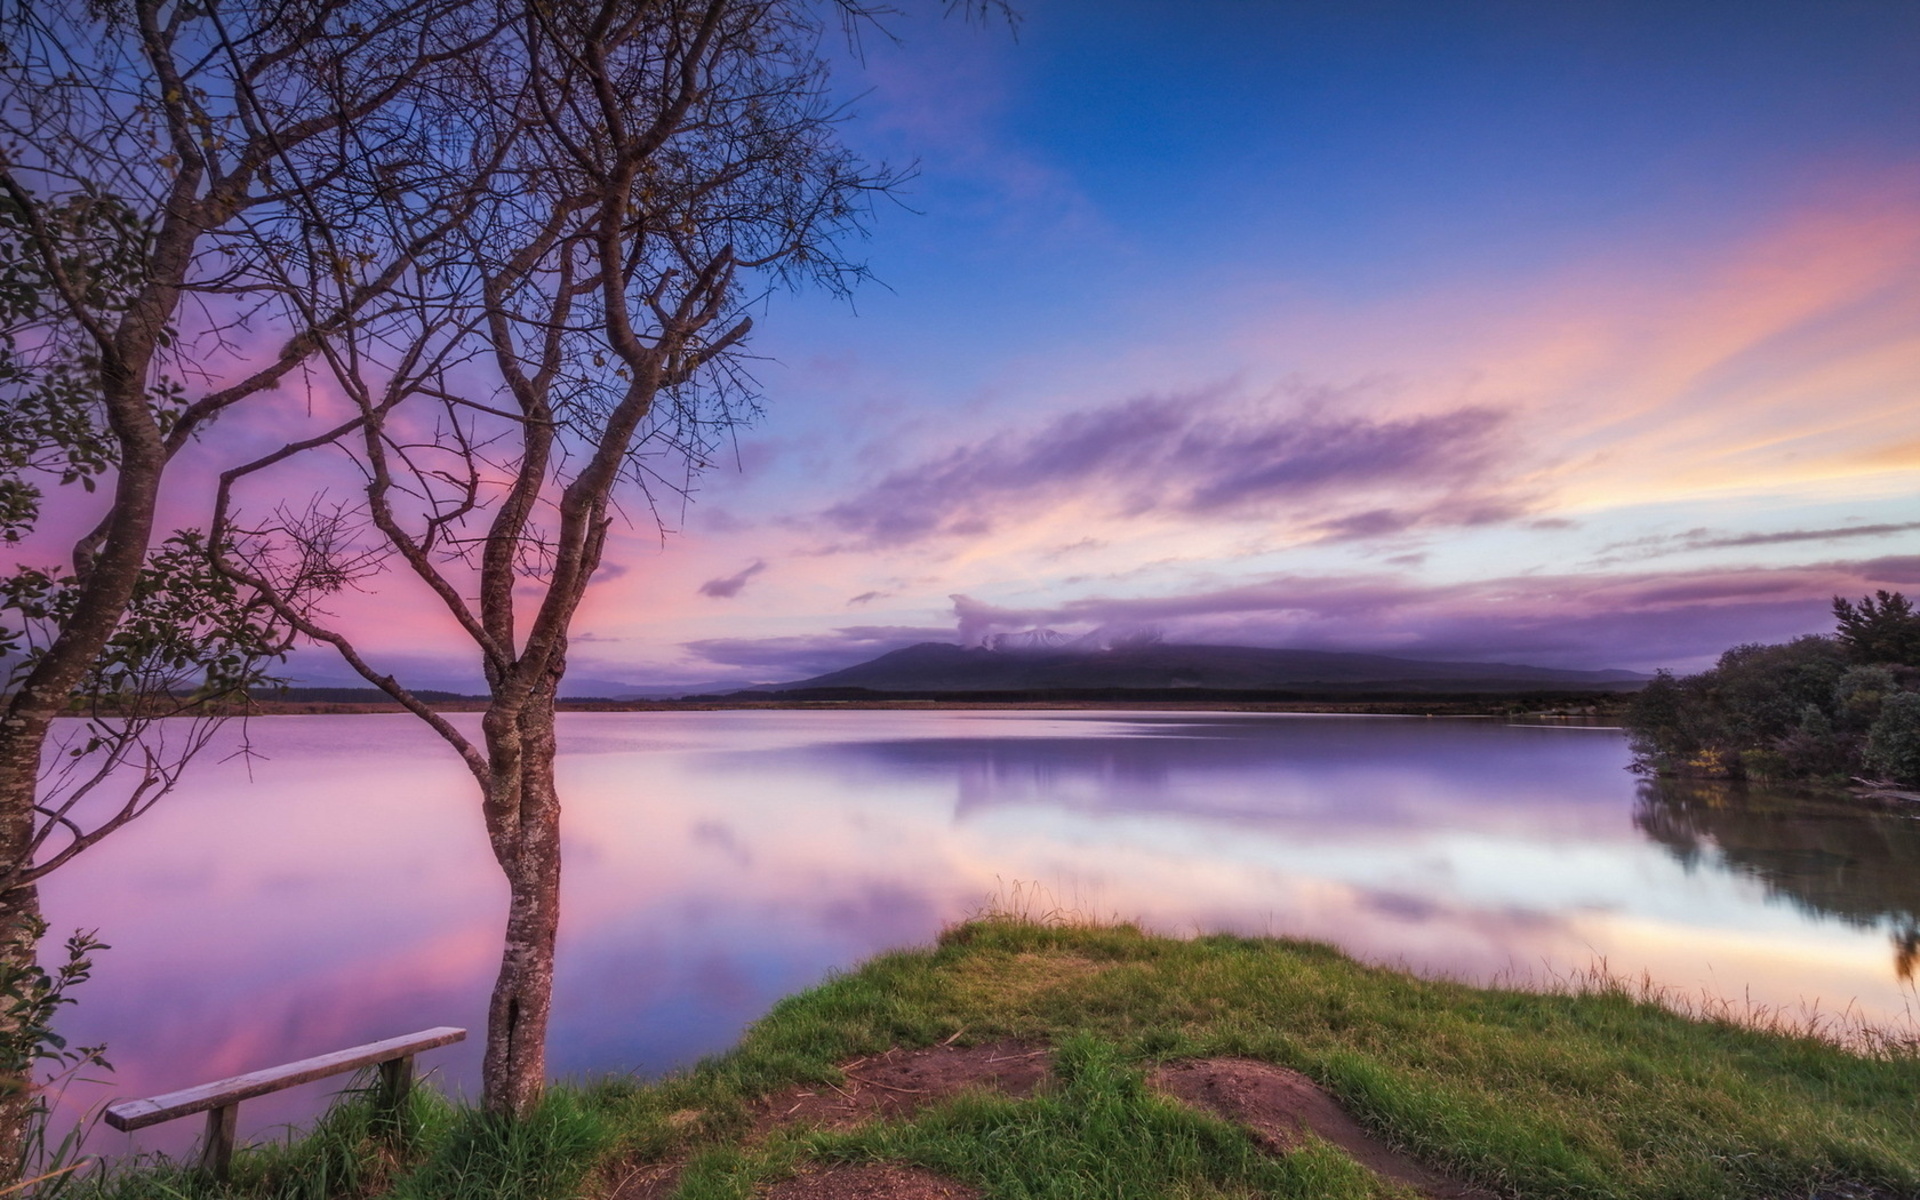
1577,712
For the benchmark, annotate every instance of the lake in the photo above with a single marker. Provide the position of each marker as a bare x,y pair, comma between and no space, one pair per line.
337,887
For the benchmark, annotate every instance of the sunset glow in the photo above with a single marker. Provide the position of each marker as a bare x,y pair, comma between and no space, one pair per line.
1495,364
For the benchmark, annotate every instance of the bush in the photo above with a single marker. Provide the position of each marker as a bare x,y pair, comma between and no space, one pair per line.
1762,710
1859,694
1806,709
1763,692
1893,744
1816,748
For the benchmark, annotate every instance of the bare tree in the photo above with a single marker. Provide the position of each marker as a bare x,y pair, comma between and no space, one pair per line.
181,228
660,164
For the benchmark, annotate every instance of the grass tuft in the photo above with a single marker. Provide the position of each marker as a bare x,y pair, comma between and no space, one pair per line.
485,1157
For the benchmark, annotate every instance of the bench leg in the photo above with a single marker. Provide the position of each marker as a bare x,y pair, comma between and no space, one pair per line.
216,1155
396,1080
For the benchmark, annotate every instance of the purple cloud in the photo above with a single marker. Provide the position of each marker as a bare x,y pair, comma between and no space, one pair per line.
729,587
1198,456
1639,621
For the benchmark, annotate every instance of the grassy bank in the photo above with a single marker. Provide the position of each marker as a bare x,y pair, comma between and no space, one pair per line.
1589,1094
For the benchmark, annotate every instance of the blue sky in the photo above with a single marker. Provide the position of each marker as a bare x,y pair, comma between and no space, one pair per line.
1585,335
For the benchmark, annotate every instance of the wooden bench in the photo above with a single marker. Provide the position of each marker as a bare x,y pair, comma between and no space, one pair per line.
220,1100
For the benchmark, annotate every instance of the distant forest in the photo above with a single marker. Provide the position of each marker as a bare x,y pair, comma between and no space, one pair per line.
352,695
1823,707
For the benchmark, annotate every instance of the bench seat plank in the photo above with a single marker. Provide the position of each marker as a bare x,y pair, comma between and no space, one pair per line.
138,1114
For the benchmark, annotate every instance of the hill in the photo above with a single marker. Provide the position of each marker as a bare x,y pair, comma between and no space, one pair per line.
1036,665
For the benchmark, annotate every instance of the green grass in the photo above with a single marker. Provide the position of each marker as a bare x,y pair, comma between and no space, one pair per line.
1592,1092
355,1149
1100,1133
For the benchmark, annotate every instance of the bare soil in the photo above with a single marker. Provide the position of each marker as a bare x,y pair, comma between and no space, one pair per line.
649,1181
1280,1107
901,1082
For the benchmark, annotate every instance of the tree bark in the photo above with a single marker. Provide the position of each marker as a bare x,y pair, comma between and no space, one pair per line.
106,585
19,925
524,818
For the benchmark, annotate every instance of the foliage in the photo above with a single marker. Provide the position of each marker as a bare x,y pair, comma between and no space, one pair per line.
187,628
30,997
188,638
1806,709
1882,628
53,427
1893,744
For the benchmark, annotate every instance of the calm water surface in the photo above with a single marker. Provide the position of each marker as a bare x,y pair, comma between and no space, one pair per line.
339,889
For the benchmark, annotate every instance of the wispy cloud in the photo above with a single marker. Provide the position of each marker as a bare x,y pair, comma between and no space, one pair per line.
1709,539
1203,457
730,586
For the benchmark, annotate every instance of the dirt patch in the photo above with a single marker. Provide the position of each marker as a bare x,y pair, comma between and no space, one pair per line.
648,1181
870,1182
901,1082
1279,1107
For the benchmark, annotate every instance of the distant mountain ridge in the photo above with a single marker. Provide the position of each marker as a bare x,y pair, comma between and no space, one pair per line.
1042,660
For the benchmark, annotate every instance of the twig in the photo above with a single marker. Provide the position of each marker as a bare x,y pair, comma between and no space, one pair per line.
26,1183
888,1086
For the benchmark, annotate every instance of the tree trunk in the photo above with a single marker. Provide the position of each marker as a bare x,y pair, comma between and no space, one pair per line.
106,569
514,1070
20,925
19,933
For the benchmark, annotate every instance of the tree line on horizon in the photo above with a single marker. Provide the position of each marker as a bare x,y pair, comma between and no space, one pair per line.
1824,707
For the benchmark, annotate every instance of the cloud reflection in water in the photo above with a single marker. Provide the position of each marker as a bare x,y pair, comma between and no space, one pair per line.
719,860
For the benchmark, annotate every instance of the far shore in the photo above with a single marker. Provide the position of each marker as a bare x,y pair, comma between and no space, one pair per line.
1574,708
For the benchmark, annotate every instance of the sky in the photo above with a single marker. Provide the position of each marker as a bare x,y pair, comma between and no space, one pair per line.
1575,335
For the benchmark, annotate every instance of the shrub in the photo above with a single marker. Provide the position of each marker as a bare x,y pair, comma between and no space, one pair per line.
1799,710
1893,744
1762,710
1859,694
1763,692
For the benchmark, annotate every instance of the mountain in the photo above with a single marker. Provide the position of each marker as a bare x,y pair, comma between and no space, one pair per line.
1028,663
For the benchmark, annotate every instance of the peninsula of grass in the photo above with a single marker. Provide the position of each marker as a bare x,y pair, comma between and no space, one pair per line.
1591,1091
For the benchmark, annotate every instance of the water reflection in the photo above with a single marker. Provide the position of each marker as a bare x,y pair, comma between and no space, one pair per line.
1828,856
313,899
1354,771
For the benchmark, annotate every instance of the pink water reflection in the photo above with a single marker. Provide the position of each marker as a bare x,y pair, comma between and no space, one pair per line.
341,890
